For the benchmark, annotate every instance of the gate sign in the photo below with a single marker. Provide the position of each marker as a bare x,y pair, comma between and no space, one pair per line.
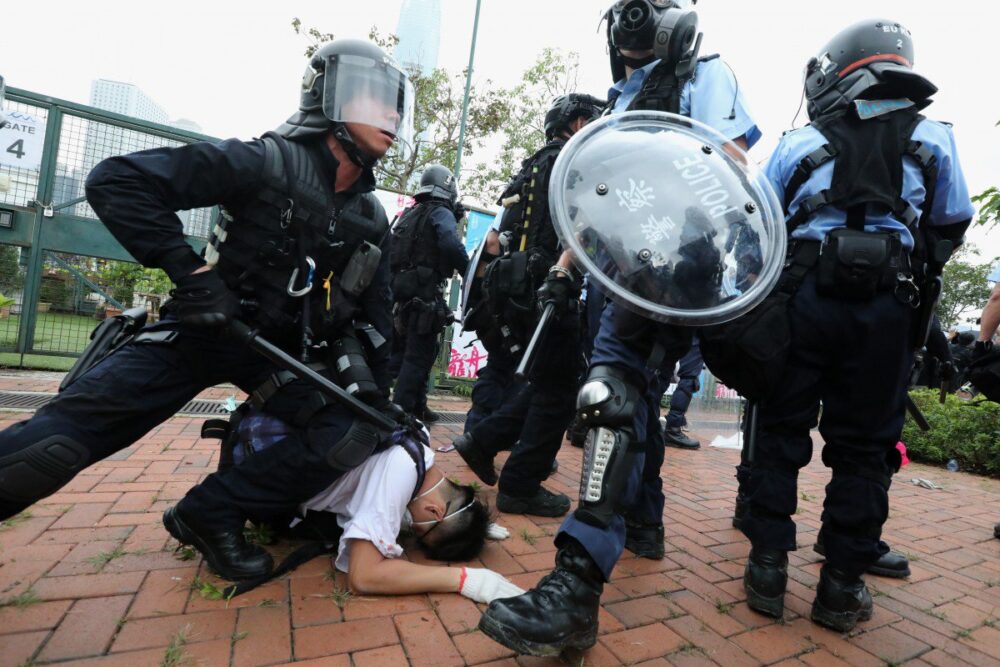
21,141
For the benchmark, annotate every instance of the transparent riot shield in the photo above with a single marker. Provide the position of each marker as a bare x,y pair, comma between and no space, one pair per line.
669,217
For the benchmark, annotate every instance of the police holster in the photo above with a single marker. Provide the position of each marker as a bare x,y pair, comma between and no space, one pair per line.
749,353
108,336
416,282
507,279
854,264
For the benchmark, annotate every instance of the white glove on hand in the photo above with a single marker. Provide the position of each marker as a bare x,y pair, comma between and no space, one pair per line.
484,585
497,532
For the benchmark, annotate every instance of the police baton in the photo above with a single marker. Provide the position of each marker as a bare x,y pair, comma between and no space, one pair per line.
289,363
529,353
917,415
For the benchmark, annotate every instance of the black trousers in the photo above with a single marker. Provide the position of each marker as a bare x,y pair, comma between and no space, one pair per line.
854,358
537,417
413,354
124,396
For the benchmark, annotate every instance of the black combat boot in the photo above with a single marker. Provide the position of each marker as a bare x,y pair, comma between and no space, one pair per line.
543,503
427,416
227,552
476,458
673,436
764,581
890,564
557,614
644,539
841,601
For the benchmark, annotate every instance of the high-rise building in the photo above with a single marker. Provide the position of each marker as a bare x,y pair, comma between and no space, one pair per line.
126,99
419,32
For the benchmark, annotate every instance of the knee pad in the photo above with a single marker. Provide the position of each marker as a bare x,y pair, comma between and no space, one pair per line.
607,398
351,449
40,469
608,459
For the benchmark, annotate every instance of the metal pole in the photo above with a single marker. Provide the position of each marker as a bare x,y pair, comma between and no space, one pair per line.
465,102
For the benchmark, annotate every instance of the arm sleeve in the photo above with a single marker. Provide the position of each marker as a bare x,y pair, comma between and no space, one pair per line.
951,196
453,257
376,304
773,171
136,195
715,98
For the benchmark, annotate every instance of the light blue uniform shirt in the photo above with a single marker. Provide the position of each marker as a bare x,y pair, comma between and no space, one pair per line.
951,195
711,96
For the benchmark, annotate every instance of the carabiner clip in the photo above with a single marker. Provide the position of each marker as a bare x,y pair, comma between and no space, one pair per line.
309,280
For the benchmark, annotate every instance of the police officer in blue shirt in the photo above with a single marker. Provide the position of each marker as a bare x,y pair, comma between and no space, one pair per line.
632,354
875,199
426,251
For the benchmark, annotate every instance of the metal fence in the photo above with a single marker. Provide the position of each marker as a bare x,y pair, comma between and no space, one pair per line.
61,271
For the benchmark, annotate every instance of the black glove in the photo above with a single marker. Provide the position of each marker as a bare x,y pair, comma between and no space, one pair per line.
560,290
203,300
459,210
981,349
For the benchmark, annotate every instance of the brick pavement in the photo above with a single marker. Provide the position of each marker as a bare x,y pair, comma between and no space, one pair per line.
90,577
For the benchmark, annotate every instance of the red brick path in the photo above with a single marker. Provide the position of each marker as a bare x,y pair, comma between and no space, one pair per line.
99,584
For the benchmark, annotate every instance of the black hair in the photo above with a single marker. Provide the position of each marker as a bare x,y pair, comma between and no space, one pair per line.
463,537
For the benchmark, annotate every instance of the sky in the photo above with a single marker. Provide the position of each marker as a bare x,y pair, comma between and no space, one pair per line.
234,67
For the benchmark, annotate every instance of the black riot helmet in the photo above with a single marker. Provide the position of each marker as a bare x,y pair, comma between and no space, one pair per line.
353,81
668,27
873,58
437,182
567,108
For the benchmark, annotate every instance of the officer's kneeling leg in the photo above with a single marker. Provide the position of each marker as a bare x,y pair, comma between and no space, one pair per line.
607,405
38,470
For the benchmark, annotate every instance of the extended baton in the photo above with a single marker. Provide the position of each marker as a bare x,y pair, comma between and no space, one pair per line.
529,353
917,415
306,374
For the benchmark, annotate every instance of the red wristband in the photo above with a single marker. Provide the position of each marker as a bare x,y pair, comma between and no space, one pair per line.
461,581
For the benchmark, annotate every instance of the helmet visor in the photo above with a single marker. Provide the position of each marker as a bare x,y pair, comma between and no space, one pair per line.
370,92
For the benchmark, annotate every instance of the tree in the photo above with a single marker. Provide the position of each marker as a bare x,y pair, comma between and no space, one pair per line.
965,289
988,202
437,115
554,73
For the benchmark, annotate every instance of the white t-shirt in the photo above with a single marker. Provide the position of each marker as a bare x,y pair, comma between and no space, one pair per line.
370,501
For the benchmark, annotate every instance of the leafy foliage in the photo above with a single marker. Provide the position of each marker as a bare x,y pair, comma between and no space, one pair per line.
554,73
965,289
988,202
967,431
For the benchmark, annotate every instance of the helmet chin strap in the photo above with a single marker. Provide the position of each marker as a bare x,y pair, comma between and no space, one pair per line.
354,152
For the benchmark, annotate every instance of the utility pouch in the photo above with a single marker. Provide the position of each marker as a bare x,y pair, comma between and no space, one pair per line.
361,269
853,263
351,365
108,336
749,353
984,374
507,278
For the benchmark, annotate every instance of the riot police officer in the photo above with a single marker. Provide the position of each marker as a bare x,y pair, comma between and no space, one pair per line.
298,253
655,66
426,251
875,200
536,416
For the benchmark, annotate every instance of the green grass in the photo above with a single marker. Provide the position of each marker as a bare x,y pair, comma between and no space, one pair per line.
55,332
42,362
105,557
15,520
175,656
25,599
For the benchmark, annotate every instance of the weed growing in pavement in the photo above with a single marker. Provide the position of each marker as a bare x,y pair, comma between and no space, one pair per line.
15,520
209,591
184,552
105,557
340,596
261,534
528,537
268,603
237,636
962,634
723,607
806,497
175,656
25,599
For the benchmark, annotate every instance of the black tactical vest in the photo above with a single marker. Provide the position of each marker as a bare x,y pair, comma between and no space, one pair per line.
414,243
661,91
528,218
868,167
257,244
